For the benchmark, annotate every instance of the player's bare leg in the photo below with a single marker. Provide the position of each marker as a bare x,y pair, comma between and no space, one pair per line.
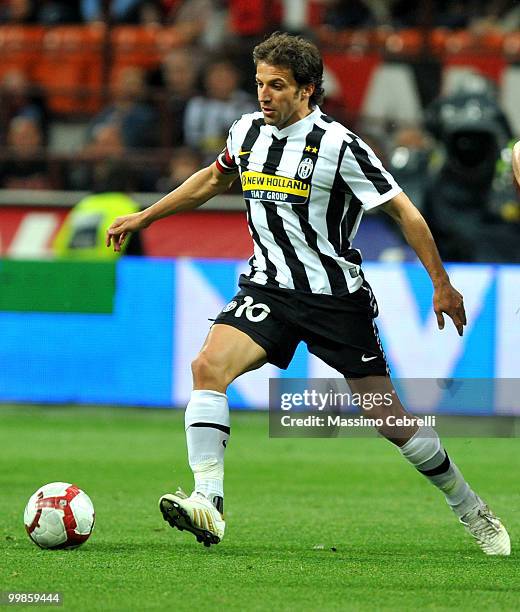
422,447
226,354
383,384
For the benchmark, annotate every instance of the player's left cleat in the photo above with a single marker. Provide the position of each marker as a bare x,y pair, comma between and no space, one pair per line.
195,514
488,530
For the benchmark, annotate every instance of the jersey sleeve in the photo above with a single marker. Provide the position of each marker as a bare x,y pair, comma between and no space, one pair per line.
365,175
225,161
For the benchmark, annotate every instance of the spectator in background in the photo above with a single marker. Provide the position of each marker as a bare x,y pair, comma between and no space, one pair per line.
179,73
135,118
301,16
250,21
200,21
452,14
18,98
25,166
183,163
496,15
345,14
295,16
209,117
106,143
57,12
407,13
17,11
82,235
121,11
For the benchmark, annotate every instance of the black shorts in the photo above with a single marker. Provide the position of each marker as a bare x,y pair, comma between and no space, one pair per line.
339,330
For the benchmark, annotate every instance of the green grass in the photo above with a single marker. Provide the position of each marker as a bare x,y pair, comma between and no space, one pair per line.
311,524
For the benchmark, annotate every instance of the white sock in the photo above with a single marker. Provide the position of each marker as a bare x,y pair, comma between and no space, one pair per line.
207,432
425,452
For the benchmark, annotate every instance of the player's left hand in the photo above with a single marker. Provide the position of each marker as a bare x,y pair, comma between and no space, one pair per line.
122,227
446,299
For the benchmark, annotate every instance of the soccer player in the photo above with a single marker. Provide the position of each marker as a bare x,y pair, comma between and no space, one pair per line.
306,181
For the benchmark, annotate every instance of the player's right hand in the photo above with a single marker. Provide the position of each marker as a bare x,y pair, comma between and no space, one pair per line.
446,299
122,227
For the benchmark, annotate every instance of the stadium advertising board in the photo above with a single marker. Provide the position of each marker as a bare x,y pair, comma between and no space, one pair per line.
134,343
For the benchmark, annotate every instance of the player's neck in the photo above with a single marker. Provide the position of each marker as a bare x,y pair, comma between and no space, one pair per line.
297,116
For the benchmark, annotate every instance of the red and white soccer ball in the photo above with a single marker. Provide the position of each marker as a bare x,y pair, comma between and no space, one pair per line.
59,515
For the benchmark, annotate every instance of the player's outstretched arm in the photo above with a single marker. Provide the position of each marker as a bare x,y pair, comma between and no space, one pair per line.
194,192
446,299
516,162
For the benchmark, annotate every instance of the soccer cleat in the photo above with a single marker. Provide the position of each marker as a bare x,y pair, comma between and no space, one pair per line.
487,529
195,514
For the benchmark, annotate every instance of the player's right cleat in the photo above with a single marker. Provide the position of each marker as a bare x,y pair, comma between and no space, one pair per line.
488,530
195,514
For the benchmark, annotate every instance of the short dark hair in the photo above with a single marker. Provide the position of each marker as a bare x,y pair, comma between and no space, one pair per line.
299,55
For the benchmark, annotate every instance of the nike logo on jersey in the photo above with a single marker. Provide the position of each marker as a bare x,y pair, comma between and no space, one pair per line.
365,358
240,153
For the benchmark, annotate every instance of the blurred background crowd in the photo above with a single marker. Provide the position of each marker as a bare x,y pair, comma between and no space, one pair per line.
134,95
289,13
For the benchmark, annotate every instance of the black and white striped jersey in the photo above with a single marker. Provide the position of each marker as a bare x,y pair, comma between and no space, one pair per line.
306,187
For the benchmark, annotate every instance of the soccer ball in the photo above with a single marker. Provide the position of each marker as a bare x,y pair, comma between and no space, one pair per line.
59,515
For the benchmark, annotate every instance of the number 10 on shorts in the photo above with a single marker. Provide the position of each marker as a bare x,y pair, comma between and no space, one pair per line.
253,312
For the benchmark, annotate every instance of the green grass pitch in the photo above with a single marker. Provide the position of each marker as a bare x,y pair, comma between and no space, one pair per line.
331,524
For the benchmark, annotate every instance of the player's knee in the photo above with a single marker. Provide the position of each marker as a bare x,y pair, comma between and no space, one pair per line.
209,372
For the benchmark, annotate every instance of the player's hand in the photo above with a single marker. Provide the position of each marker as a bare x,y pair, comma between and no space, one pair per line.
122,227
446,299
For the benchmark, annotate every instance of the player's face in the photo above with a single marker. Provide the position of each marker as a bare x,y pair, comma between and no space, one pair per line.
282,100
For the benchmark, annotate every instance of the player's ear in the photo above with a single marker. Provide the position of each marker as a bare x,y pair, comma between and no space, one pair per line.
308,90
